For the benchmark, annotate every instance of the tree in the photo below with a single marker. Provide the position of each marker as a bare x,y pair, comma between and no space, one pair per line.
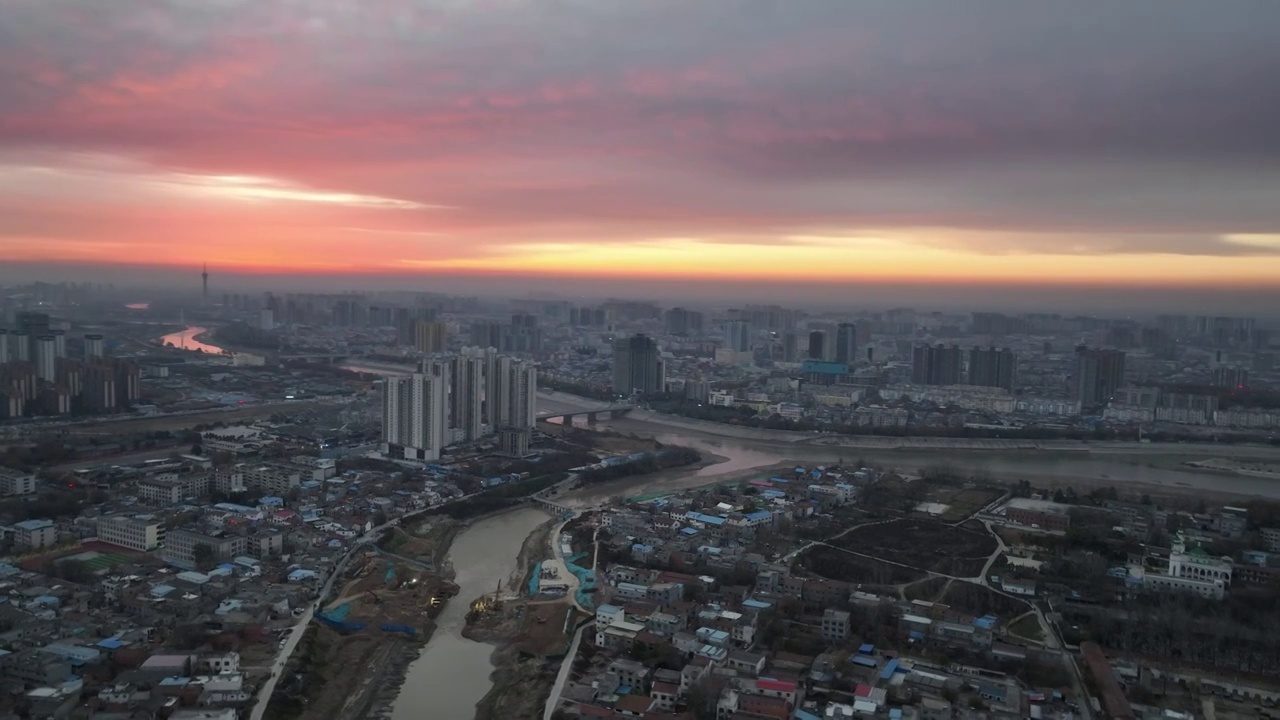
202,553
76,571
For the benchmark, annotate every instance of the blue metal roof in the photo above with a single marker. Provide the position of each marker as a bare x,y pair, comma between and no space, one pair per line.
33,524
866,648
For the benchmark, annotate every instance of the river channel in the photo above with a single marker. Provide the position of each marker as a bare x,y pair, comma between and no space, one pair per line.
1161,466
453,673
186,340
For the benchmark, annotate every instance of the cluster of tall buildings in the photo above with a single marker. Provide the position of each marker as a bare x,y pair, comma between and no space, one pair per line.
1099,374
838,346
679,321
38,377
945,365
521,335
637,367
460,398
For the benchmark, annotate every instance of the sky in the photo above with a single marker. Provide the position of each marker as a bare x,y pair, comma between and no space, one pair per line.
803,143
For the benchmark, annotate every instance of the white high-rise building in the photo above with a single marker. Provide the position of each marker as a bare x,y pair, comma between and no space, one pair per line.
489,405
466,394
94,346
519,390
737,336
519,394
415,411
46,358
514,393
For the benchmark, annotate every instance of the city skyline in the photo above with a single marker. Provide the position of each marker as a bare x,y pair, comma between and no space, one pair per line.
878,143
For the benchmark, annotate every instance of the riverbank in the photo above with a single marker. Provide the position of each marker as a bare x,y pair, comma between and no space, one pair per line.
454,673
520,683
347,667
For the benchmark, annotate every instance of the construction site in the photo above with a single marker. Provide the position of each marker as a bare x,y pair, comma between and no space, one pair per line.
377,622
532,630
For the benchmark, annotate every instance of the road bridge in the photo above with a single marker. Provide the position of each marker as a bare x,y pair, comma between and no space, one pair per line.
331,358
593,415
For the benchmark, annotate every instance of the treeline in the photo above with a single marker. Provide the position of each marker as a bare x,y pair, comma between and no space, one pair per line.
1238,634
502,497
668,457
747,417
574,388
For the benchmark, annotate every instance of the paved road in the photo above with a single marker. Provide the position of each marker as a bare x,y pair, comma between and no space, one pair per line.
566,667
553,539
282,658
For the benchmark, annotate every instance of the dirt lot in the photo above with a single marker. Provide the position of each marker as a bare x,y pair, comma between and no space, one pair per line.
924,544
927,590
377,590
835,564
326,688
963,502
427,541
978,600
526,665
384,590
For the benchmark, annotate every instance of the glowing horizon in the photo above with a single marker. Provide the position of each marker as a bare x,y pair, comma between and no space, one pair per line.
833,142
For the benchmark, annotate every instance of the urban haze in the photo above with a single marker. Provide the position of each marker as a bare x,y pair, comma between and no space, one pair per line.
727,360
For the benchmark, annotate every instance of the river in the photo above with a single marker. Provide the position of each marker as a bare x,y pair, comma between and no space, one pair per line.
1141,464
453,673
186,340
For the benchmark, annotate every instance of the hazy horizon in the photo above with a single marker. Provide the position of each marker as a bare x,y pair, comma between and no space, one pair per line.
852,296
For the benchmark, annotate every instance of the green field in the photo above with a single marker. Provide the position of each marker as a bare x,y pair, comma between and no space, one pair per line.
96,561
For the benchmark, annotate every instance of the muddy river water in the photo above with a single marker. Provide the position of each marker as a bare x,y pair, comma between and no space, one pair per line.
452,674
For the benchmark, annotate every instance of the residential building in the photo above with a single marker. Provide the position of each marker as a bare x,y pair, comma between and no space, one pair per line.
637,368
846,343
143,533
180,547
465,395
35,534
817,345
430,336
737,336
415,412
13,482
835,625
1271,537
936,365
1043,514
992,367
270,479
1099,373
265,545
160,491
